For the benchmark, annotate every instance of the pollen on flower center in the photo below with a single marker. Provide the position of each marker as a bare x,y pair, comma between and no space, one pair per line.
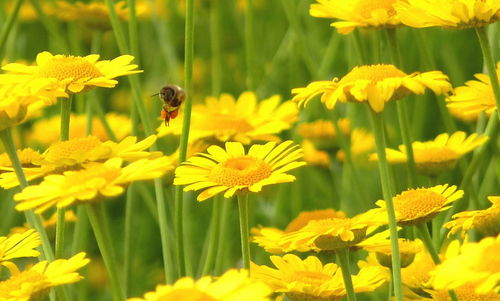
366,7
62,67
240,171
373,73
416,202
64,149
312,278
16,282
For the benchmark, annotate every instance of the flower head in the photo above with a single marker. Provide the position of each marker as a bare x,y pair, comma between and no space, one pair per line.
73,73
86,185
374,84
244,120
357,14
486,221
19,245
407,251
416,206
309,279
314,156
454,14
233,285
439,155
468,101
362,143
323,133
35,282
230,170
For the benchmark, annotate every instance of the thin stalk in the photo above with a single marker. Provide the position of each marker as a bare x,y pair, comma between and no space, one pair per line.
161,205
489,62
127,240
427,240
51,26
7,26
385,178
402,109
245,238
226,211
214,235
389,293
132,30
215,46
343,258
249,45
96,216
188,85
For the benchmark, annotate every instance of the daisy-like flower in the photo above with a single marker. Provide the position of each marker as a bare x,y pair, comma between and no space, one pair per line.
19,245
416,206
476,263
233,285
486,221
74,73
35,282
468,101
314,156
231,170
309,279
407,251
362,143
466,292
244,120
439,155
357,14
71,154
15,98
96,180
374,84
26,157
47,131
322,133
454,14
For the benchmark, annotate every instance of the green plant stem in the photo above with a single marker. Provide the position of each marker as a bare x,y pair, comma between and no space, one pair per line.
221,248
60,43
427,240
343,258
489,62
385,178
389,293
7,26
132,30
245,238
164,231
215,47
402,110
249,45
97,218
214,235
127,240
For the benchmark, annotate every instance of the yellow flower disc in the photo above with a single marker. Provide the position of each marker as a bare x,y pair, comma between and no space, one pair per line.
67,149
64,67
240,171
414,203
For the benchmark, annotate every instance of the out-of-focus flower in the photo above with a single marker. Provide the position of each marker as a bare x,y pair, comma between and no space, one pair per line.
486,221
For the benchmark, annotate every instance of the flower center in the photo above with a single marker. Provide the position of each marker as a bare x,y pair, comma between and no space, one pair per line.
16,283
310,278
366,7
417,202
240,171
64,67
374,73
96,171
435,154
67,149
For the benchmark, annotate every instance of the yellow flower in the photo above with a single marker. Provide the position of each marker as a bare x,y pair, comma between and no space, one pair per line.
439,155
47,131
19,245
362,143
35,282
486,221
309,279
71,154
477,263
357,13
468,101
232,170
416,206
454,14
244,120
407,251
73,73
96,180
233,285
314,156
322,133
26,157
466,292
375,84
15,98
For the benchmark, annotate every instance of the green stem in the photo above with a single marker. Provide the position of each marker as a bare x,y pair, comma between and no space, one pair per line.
214,235
221,248
402,109
245,238
389,293
427,240
249,45
183,144
489,61
164,231
97,217
343,258
127,241
52,28
378,129
215,47
7,26
132,30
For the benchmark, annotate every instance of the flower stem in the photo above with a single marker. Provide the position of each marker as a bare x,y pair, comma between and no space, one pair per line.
214,235
385,178
343,258
215,47
96,216
245,240
249,45
226,211
490,64
7,26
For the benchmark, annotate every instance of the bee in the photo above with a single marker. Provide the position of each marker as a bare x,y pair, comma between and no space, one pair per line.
172,96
